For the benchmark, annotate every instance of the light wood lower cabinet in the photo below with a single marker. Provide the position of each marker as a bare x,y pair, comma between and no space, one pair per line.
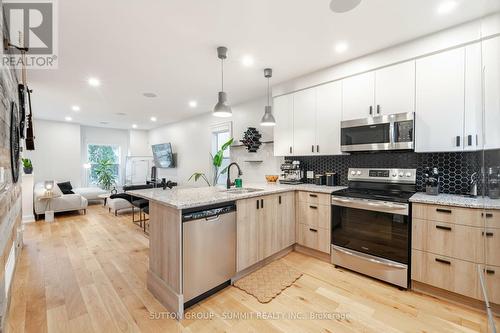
314,238
314,215
452,240
265,225
492,277
492,246
447,273
314,198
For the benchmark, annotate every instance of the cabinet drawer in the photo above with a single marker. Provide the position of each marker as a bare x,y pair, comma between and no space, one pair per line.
492,218
452,240
454,275
314,198
314,238
314,215
492,279
448,214
492,239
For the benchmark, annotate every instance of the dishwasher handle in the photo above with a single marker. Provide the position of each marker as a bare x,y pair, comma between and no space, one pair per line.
211,213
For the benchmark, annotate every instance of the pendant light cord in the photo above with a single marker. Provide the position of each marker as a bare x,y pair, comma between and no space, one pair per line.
222,70
268,88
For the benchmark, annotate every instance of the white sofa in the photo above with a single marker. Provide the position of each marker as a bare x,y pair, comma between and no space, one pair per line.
90,193
63,203
114,205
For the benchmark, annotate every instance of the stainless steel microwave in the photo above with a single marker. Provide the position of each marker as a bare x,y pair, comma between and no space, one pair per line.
386,132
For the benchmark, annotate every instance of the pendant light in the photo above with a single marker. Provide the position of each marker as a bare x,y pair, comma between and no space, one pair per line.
268,118
222,109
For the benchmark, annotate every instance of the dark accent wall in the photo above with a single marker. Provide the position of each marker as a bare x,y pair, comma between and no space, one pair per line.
455,168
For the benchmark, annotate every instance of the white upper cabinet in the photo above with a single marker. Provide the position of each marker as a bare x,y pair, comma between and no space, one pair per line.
473,98
491,63
328,117
304,122
283,131
440,102
395,89
358,96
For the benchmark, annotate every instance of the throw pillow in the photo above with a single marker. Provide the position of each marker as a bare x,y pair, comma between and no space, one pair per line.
66,188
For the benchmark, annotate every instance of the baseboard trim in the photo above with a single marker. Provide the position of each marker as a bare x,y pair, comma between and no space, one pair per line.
452,297
165,295
313,253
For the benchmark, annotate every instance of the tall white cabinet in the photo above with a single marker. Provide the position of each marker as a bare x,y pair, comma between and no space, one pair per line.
440,102
328,118
358,96
283,131
491,64
395,89
304,122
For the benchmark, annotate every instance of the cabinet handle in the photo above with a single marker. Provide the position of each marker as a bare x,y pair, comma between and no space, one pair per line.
261,203
487,234
313,207
257,204
290,149
442,261
443,227
279,199
457,141
313,230
313,195
371,110
489,271
440,210
469,140
487,215
378,109
317,148
312,148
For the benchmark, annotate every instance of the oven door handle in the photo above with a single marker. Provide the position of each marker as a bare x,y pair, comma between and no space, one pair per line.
369,258
370,203
387,205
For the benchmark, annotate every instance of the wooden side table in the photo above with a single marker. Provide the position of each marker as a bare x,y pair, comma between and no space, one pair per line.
49,213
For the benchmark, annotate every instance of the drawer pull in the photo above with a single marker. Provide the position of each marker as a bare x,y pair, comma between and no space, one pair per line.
440,210
442,261
313,195
443,227
313,207
487,215
258,204
313,230
490,271
279,199
261,203
487,234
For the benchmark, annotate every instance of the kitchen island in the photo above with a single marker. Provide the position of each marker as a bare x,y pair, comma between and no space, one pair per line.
166,207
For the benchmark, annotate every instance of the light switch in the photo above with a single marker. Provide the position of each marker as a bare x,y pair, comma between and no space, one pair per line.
310,174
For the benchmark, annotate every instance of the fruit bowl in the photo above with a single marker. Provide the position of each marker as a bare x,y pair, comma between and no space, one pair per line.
272,179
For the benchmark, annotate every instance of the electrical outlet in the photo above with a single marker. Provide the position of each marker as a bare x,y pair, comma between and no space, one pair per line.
310,174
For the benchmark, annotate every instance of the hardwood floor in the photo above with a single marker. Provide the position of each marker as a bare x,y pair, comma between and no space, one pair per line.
87,273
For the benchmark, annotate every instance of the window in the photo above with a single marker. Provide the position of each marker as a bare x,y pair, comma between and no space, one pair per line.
97,154
220,135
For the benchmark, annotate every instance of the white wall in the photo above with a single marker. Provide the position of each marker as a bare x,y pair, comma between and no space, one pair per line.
191,141
139,143
454,37
110,136
57,153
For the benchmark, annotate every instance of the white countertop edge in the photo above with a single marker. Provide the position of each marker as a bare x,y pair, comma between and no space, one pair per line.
456,200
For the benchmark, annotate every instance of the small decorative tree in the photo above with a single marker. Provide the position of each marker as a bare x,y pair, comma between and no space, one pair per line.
105,174
216,163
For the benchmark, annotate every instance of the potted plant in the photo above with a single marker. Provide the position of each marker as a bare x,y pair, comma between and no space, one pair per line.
27,166
105,174
216,165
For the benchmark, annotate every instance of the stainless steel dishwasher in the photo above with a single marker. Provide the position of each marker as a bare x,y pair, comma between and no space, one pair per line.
209,251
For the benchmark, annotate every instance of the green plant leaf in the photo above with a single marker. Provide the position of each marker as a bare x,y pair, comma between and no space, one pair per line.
227,144
223,171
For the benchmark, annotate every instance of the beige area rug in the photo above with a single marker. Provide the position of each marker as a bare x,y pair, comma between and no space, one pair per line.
269,281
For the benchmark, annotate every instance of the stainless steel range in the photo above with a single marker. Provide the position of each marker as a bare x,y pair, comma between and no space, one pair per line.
371,224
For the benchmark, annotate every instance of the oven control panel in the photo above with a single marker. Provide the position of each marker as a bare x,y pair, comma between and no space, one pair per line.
408,176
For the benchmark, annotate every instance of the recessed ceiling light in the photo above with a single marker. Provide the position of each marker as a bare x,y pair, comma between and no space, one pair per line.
193,104
75,108
247,61
342,6
104,122
134,125
94,82
446,7
153,119
68,118
149,95
121,114
341,47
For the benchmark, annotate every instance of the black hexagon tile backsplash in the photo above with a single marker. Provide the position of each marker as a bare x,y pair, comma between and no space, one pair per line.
455,168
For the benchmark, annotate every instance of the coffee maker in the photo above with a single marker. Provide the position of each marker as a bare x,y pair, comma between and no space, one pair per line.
291,173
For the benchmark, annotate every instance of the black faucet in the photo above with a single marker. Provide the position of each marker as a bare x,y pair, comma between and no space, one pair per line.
228,182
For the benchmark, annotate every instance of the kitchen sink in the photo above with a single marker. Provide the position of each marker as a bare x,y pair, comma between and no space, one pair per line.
242,190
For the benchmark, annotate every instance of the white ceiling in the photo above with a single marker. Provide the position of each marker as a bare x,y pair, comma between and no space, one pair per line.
168,47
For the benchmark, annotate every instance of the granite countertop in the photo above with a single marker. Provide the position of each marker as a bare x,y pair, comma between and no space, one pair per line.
456,200
189,197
